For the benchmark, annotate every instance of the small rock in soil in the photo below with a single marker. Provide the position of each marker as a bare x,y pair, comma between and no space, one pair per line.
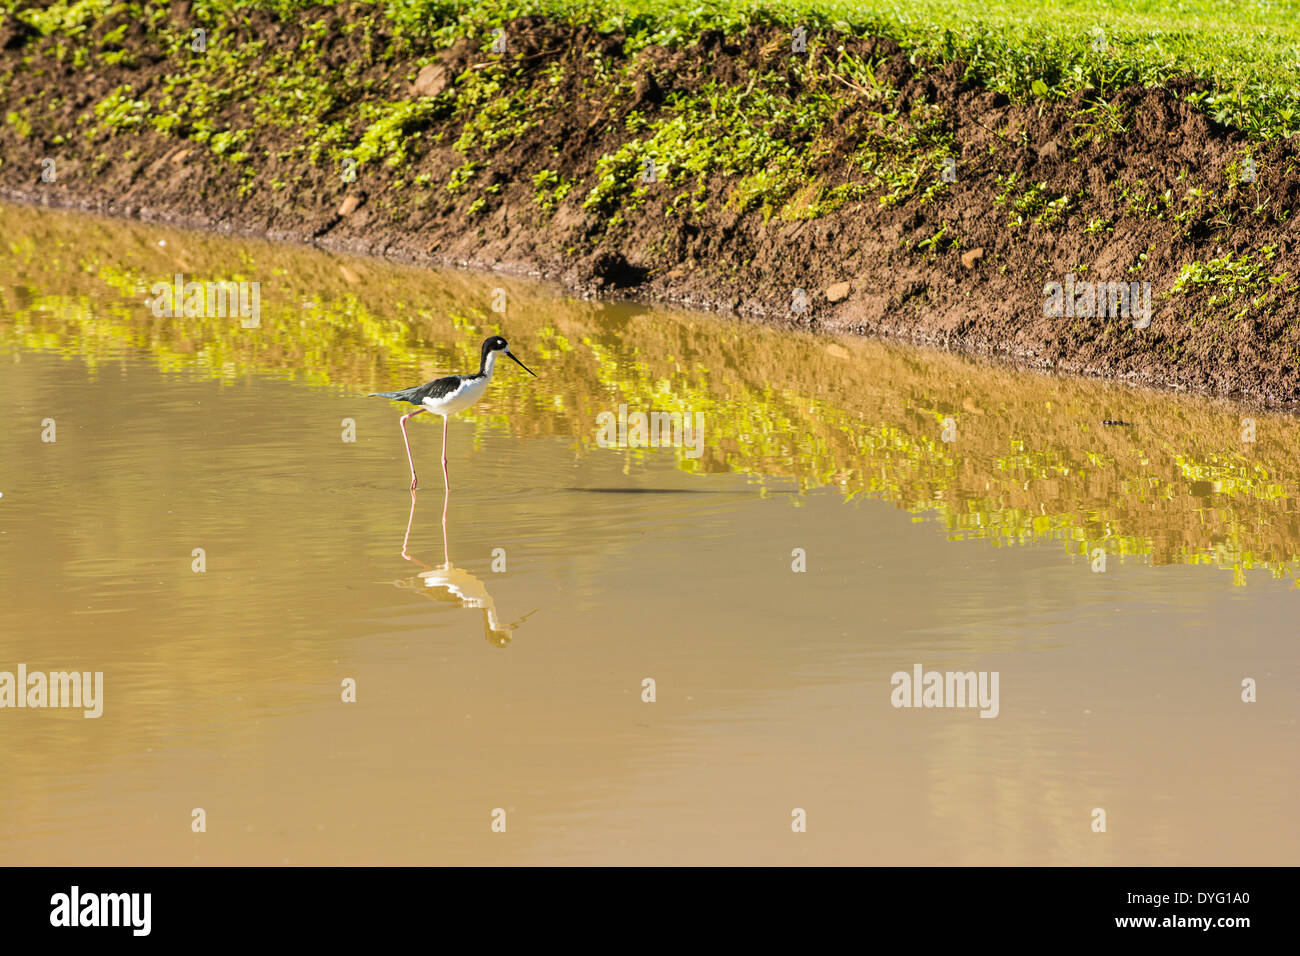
432,80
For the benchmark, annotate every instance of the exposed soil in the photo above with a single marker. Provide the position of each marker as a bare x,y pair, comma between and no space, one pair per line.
866,266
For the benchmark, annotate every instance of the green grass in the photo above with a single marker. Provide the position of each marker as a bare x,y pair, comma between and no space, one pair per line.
1249,51
1248,55
773,138
770,135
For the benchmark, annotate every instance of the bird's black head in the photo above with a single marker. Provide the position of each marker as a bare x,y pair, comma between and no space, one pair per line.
496,343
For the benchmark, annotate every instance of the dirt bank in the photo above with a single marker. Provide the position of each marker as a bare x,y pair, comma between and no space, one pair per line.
841,187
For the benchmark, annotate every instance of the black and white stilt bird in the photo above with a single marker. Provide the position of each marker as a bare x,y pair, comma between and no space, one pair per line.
447,396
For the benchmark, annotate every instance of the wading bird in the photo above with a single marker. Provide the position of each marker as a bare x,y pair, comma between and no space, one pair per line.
447,396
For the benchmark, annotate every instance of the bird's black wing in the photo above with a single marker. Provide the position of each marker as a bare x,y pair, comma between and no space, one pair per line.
416,394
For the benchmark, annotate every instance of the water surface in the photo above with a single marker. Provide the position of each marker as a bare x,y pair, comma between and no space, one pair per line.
502,667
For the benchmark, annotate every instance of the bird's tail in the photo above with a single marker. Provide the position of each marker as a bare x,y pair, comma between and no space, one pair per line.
404,395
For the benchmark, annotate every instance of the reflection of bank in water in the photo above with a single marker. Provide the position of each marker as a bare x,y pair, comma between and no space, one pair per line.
452,585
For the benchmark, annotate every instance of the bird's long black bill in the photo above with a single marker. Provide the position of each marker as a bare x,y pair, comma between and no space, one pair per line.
521,364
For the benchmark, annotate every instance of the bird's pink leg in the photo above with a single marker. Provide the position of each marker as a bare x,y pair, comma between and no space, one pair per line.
446,561
414,481
409,521
446,481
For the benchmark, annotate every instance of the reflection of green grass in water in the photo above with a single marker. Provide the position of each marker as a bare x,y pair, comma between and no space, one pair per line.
1031,461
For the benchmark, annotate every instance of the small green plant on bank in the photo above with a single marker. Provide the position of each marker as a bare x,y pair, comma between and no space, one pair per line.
390,129
1230,276
21,125
118,111
550,188
1031,203
461,175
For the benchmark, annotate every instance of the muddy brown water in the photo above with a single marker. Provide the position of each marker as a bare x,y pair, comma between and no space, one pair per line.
1122,582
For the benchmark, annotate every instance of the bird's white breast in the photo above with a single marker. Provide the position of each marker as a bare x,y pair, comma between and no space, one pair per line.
469,392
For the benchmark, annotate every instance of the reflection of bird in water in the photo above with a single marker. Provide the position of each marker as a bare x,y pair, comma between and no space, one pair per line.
447,396
453,585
